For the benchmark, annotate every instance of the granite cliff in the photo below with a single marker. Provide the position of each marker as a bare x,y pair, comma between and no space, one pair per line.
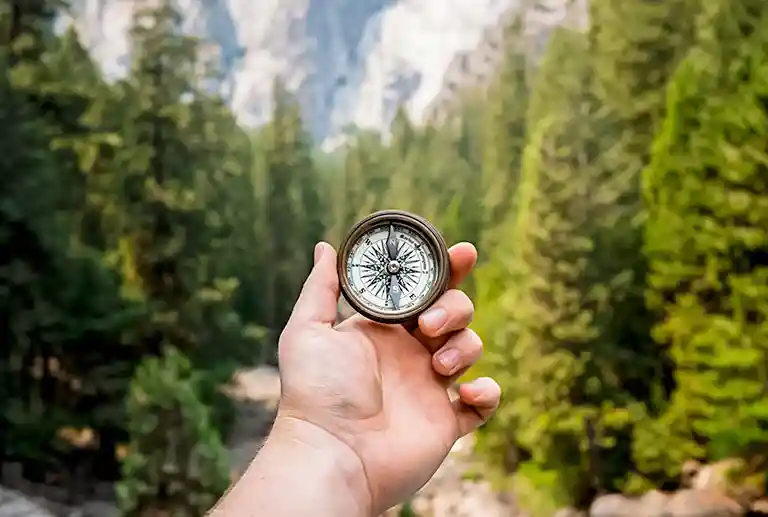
349,62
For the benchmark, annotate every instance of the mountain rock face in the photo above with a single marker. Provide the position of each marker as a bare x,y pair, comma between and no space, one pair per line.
475,68
349,62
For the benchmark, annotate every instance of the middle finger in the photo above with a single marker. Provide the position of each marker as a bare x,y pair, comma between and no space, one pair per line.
452,312
459,353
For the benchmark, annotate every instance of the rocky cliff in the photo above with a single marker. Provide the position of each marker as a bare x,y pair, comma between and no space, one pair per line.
350,62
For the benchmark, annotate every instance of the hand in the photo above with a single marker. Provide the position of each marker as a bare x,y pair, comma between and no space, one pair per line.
377,393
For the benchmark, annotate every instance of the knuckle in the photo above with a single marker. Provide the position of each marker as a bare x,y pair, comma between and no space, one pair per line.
461,301
470,306
462,296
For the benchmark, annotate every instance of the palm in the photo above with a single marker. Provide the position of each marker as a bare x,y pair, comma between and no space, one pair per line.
392,398
416,411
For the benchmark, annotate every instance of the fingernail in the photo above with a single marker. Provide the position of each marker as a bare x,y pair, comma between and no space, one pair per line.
434,318
449,358
318,251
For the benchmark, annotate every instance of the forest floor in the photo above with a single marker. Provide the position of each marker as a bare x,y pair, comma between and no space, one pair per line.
256,393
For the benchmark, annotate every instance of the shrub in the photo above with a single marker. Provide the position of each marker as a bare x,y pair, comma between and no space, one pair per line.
176,462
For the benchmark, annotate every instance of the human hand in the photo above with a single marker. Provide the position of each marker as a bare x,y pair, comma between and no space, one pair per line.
377,394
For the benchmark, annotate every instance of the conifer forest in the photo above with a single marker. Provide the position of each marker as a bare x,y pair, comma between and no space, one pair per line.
616,188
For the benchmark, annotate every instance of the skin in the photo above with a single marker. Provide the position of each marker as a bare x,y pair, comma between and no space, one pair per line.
364,419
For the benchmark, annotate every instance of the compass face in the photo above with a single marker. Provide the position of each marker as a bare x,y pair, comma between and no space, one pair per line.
391,268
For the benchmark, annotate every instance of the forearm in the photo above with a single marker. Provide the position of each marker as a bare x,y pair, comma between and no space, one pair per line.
300,471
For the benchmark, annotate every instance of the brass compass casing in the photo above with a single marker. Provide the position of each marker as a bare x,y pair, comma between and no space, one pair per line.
437,249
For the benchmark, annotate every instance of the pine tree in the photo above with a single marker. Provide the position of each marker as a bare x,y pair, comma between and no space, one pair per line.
176,462
633,46
506,118
292,210
28,226
543,354
152,177
69,87
164,178
505,135
162,205
60,296
449,185
403,163
706,243
240,245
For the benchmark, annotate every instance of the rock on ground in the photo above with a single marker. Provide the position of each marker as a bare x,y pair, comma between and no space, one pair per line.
569,512
683,503
616,505
15,504
702,503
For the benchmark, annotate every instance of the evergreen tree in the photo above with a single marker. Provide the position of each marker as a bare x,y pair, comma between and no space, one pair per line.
176,463
28,226
70,90
403,164
293,211
706,242
544,348
449,184
553,340
631,63
163,206
60,296
165,178
506,118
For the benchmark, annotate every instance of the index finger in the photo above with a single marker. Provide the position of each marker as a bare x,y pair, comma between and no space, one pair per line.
463,258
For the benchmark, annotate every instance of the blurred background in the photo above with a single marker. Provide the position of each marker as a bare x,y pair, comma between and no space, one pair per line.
167,166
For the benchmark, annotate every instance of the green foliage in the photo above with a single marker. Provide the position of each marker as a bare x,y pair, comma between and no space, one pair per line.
55,296
614,188
176,461
543,345
505,132
407,511
562,315
706,237
292,215
117,204
541,491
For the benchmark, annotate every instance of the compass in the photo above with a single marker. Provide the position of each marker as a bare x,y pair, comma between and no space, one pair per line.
392,266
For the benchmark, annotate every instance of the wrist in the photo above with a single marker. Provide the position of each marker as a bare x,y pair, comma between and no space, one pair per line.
302,469
325,457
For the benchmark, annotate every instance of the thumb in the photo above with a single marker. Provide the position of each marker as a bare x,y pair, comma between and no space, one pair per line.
319,296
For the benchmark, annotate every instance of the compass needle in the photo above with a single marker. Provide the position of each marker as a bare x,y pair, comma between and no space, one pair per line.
392,266
394,291
392,243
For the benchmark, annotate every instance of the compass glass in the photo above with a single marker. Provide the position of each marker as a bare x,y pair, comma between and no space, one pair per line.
391,268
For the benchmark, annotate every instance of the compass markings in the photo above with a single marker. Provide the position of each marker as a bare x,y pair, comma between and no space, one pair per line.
367,268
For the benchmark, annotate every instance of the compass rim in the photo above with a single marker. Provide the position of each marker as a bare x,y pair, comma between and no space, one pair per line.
427,231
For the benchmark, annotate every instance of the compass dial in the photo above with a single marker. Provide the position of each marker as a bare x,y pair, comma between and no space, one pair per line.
393,266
